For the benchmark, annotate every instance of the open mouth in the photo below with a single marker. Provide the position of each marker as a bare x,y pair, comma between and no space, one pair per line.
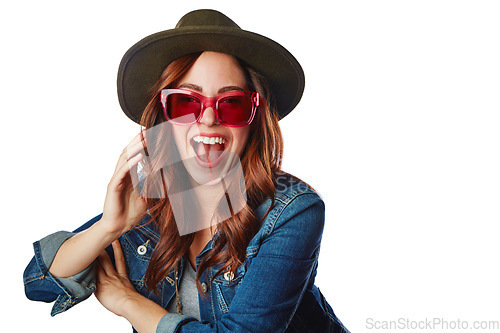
208,150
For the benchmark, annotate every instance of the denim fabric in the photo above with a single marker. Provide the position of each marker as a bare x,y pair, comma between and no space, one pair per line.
273,291
40,285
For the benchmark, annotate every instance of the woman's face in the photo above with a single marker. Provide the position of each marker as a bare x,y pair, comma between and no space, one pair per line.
207,148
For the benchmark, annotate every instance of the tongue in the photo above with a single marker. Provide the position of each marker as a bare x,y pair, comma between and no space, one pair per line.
209,153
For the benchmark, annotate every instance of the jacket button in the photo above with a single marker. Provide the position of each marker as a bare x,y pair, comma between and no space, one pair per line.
229,276
142,250
204,287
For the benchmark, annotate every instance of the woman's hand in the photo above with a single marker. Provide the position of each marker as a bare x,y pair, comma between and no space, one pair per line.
124,207
117,294
114,289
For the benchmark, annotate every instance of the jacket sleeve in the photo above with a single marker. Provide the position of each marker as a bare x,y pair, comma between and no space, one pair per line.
41,285
276,278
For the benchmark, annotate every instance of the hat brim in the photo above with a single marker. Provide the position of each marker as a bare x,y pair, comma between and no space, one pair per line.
143,63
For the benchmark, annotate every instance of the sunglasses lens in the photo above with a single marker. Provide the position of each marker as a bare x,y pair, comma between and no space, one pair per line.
183,108
235,110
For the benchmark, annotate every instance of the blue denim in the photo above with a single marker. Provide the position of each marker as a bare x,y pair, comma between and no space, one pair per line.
273,291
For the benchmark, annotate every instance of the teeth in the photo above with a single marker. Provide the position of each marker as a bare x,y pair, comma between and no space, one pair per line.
209,140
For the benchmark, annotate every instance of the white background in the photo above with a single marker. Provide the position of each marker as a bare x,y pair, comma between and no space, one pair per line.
398,130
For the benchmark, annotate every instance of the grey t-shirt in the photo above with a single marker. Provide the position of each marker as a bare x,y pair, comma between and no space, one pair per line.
188,294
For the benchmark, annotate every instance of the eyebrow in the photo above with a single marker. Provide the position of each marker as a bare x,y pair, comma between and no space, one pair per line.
190,86
229,88
199,89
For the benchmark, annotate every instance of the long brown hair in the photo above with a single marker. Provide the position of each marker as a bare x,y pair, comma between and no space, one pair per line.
260,161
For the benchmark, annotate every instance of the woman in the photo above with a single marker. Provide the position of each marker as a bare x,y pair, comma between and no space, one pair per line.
206,232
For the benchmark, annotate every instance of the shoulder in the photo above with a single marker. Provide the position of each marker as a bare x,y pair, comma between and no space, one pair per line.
291,194
296,209
296,203
291,190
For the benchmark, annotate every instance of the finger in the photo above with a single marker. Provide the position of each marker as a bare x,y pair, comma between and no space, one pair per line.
124,170
128,153
119,258
101,274
131,149
138,137
106,264
124,158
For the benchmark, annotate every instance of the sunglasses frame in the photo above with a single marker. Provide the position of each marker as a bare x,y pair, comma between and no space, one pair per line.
212,102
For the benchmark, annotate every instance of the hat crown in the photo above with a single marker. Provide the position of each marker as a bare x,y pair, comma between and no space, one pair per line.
206,17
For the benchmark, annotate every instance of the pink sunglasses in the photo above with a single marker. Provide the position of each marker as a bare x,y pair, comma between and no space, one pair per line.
186,107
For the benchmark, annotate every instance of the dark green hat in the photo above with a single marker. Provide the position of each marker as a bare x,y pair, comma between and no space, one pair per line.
207,30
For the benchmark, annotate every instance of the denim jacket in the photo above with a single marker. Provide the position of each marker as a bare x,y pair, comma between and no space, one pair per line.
273,291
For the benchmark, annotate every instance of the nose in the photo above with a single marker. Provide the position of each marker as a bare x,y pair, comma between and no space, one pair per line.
208,118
